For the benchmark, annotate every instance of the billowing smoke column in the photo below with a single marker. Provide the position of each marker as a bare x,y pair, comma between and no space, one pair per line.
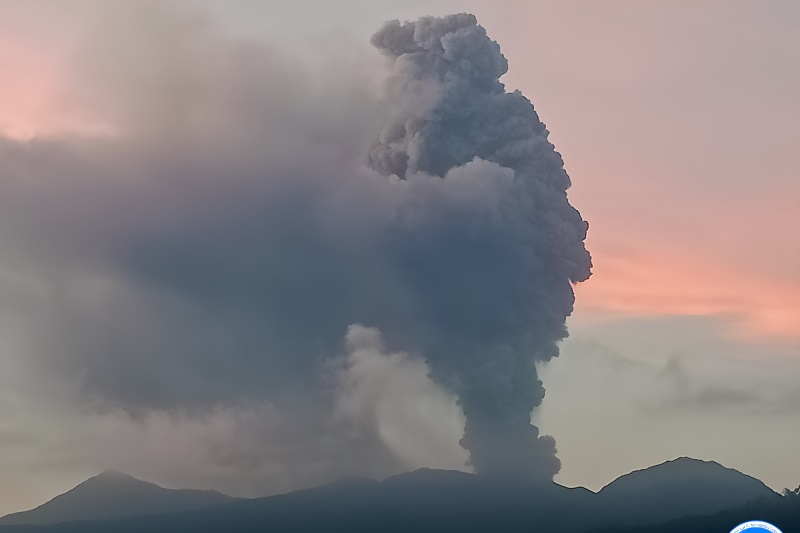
222,244
495,281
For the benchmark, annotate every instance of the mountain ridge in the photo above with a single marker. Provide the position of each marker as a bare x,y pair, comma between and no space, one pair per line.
114,494
691,486
440,500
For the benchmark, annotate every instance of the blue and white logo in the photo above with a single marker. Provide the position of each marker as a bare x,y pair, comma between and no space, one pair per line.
756,527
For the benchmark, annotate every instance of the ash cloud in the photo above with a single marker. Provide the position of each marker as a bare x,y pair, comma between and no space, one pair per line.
218,247
495,280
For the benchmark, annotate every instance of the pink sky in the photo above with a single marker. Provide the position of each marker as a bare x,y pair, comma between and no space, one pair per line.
677,124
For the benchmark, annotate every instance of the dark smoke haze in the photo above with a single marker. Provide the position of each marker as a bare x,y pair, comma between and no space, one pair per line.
243,218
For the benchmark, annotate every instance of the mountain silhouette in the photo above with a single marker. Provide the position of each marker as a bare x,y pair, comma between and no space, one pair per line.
424,500
682,487
783,512
114,494
442,500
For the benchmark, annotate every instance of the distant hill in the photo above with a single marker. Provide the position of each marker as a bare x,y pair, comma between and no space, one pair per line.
113,494
782,512
442,500
424,500
683,487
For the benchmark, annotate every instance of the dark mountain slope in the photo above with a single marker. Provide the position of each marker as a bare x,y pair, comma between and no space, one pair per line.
440,501
783,512
115,495
682,487
425,500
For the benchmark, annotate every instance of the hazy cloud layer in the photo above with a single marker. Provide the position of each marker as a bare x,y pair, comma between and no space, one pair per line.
670,387
188,278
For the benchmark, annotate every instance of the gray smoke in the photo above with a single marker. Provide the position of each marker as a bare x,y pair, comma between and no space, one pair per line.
495,283
217,249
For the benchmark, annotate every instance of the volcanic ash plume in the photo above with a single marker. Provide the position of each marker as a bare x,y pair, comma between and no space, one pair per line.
495,267
227,238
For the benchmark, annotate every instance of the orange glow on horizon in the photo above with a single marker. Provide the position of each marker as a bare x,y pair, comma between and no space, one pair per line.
652,286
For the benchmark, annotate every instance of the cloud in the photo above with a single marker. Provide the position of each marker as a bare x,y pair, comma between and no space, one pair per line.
393,394
194,271
384,415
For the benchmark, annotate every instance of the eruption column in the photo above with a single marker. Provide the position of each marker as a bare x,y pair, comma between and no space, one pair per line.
496,280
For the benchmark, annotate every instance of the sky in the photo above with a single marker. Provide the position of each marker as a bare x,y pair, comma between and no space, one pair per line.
676,122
